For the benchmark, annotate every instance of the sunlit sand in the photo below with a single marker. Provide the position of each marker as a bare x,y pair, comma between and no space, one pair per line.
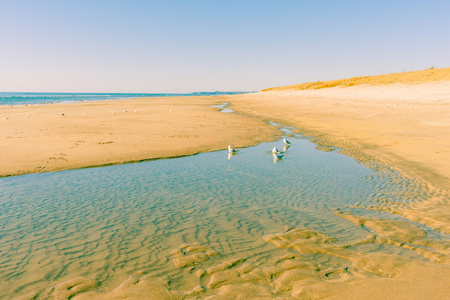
378,228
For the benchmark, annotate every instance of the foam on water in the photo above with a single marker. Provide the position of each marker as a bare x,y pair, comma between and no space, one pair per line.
112,222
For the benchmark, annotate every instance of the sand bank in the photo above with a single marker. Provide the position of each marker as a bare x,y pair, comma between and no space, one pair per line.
39,138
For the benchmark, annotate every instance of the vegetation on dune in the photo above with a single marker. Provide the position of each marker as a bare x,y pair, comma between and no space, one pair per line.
424,76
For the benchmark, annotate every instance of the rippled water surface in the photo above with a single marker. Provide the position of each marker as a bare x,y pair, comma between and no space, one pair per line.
112,222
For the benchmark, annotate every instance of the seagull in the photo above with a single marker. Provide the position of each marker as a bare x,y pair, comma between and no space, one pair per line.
231,150
6,118
124,111
28,115
286,141
63,115
75,114
113,112
275,150
135,110
82,114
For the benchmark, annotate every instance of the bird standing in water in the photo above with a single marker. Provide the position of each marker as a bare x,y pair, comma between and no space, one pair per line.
231,150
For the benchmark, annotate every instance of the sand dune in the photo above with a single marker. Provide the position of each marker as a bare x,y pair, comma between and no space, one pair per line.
415,77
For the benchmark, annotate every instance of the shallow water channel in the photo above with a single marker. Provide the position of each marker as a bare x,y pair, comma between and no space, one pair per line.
111,222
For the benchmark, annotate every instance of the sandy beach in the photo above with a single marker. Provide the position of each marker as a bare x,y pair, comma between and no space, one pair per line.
403,126
225,150
39,138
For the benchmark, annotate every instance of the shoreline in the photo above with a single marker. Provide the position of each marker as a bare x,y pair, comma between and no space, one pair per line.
40,139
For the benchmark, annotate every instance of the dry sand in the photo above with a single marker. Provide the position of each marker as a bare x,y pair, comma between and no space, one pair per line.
404,126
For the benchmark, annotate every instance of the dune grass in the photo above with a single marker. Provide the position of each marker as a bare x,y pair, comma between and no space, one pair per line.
423,76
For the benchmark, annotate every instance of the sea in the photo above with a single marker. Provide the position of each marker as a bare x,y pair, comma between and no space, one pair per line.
16,98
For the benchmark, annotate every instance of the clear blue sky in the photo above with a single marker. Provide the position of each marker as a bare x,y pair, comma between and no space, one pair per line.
184,46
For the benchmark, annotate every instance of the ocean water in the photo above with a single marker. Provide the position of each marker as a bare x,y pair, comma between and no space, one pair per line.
42,98
109,223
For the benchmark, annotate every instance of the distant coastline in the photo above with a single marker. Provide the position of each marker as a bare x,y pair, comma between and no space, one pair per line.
29,98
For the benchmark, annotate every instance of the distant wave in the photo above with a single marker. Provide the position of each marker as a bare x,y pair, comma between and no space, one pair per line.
14,98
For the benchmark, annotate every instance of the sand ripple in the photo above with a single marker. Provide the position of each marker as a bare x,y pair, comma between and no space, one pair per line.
209,227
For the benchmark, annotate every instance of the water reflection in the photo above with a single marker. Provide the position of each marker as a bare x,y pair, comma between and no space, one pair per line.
277,156
231,154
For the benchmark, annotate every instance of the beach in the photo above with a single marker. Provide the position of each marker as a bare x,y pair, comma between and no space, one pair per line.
401,126
224,150
405,124
55,137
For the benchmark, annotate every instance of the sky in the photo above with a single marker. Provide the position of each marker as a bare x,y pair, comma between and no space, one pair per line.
177,46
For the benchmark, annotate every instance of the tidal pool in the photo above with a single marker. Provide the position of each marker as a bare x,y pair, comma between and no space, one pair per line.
108,223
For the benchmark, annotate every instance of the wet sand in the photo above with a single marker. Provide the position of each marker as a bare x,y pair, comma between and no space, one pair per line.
401,126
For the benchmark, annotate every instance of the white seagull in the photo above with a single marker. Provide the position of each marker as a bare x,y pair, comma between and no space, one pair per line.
275,150
82,114
286,141
231,150
28,115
